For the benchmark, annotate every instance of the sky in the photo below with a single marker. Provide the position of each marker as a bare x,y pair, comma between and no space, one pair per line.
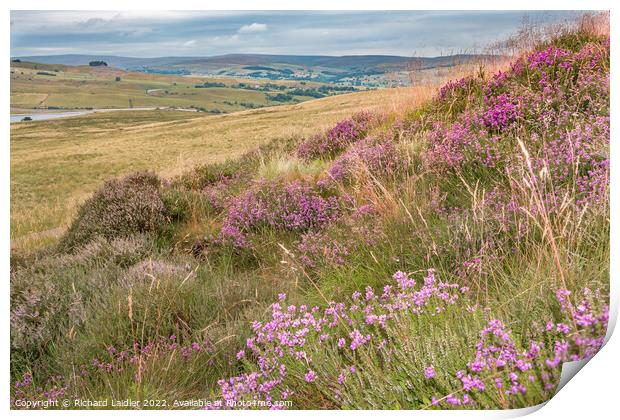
208,33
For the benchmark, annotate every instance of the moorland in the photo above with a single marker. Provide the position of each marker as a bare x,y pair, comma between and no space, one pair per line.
432,247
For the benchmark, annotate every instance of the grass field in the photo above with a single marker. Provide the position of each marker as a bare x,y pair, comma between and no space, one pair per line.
56,164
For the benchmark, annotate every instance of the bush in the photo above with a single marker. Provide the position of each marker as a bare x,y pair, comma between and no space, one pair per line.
98,63
121,208
376,157
338,138
290,206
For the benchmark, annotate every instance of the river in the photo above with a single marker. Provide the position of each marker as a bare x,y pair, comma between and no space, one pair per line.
42,115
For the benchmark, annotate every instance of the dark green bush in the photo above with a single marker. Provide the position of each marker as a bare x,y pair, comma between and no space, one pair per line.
121,208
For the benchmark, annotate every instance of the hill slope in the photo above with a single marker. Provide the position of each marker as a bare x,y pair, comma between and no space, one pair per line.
351,62
296,67
46,86
55,164
447,255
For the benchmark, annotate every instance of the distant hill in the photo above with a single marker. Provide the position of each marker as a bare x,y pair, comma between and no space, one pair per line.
111,60
298,67
352,61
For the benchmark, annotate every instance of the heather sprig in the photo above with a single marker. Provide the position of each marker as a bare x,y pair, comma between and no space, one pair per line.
338,138
369,157
288,206
506,372
288,350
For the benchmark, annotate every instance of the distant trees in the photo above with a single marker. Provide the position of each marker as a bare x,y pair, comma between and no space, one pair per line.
210,85
280,97
306,92
98,63
117,78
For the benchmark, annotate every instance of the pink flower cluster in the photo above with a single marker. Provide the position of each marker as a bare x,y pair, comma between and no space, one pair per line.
284,347
545,59
502,111
218,193
499,366
559,98
579,146
27,390
594,185
465,141
337,138
378,157
291,206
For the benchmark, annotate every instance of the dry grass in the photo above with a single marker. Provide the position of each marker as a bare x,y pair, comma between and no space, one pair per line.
532,32
56,164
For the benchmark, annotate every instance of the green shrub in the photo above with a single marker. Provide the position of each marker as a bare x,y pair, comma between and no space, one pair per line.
121,208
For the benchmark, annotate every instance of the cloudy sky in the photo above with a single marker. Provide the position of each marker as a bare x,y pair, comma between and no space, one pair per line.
206,33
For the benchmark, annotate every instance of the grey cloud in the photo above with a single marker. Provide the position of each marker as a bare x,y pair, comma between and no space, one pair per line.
156,33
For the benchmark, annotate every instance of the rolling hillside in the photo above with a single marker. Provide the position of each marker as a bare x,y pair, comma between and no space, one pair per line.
399,249
437,247
345,69
48,86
